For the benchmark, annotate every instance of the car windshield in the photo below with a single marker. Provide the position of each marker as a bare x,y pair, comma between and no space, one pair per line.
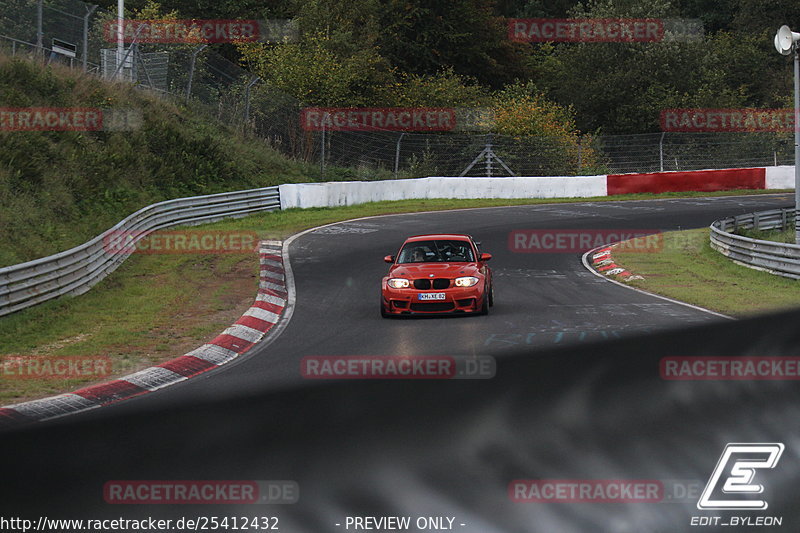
436,251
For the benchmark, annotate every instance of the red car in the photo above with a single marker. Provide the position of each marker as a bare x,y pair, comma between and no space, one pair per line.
437,274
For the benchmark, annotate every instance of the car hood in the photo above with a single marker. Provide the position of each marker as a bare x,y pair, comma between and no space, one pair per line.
439,270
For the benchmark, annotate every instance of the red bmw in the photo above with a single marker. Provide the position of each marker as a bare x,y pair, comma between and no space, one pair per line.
437,274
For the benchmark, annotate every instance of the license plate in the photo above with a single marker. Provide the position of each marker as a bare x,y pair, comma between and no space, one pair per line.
431,296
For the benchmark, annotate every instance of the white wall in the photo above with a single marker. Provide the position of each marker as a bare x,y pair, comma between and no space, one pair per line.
781,177
332,194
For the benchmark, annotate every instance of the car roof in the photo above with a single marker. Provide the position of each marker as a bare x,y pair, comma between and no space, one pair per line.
440,236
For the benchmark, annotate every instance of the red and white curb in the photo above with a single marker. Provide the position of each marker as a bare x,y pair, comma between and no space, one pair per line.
600,263
603,263
262,316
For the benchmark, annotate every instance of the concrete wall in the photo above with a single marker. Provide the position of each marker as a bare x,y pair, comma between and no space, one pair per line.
781,177
356,192
331,194
726,179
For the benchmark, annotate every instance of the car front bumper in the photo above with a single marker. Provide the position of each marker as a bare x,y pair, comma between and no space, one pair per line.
456,300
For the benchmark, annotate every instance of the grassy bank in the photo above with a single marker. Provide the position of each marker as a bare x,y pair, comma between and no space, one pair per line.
59,188
689,270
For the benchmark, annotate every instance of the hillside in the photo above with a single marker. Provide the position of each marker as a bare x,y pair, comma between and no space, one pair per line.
59,188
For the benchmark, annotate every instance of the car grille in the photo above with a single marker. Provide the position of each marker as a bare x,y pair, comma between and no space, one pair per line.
432,306
425,284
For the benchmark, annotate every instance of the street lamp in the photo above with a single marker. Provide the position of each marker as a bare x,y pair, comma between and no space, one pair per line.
786,43
120,36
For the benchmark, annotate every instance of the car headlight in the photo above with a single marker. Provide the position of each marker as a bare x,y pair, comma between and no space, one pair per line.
466,281
398,283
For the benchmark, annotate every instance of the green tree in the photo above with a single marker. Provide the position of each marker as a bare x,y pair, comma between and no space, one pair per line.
622,87
424,37
443,89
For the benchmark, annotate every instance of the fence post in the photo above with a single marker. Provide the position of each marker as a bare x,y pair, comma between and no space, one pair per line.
397,155
89,11
322,158
580,155
39,29
127,53
489,156
191,69
661,151
247,100
137,55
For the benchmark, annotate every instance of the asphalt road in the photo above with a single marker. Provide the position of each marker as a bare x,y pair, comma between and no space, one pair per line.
542,300
559,407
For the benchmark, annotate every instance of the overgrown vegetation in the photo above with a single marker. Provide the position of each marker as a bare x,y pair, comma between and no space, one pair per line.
391,52
59,188
785,236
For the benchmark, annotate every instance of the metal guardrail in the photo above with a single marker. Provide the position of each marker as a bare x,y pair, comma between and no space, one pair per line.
777,258
76,270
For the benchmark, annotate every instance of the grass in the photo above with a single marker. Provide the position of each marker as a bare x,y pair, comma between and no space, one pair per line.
59,188
785,236
156,307
689,270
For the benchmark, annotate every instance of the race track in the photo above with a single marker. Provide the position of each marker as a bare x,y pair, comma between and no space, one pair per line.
542,300
559,408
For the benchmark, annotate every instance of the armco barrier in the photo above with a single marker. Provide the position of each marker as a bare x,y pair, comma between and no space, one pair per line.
775,257
76,270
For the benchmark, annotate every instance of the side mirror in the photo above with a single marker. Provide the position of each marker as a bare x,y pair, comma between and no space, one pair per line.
485,257
388,259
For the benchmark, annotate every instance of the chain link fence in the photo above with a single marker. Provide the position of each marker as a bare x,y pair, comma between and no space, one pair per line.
73,33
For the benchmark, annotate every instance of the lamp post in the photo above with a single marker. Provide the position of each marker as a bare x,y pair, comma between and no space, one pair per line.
121,56
786,43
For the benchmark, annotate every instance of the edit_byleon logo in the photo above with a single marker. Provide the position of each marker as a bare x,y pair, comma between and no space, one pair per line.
731,482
